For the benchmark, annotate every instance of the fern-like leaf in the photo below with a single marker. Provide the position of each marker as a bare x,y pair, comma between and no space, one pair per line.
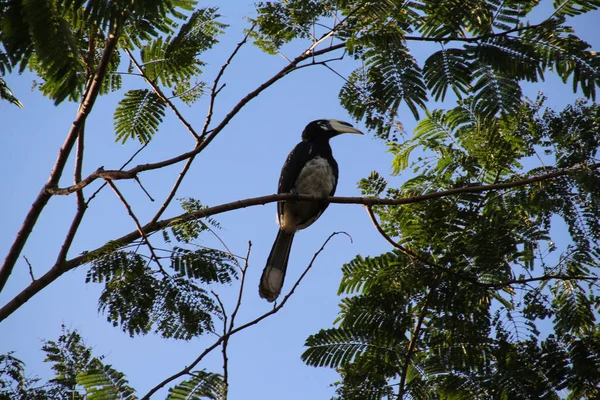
447,68
205,265
202,385
572,8
333,348
105,383
138,116
495,92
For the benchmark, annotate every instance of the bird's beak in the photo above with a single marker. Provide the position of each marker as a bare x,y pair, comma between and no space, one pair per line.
343,127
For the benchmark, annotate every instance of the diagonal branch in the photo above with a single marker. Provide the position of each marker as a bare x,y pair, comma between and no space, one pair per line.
137,223
413,256
60,268
213,95
162,96
131,173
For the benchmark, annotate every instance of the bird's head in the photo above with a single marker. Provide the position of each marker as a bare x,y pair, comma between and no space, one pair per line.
327,128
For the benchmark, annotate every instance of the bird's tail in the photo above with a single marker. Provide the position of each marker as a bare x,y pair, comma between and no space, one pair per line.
273,275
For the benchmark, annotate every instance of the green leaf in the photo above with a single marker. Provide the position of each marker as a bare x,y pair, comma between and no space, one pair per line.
138,116
572,8
141,300
202,385
105,383
205,265
495,92
447,68
57,54
335,347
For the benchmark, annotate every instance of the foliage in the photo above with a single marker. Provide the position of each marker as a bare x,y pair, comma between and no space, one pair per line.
201,385
486,48
457,314
174,304
80,376
69,357
454,311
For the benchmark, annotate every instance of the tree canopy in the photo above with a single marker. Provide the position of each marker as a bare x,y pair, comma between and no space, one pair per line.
493,232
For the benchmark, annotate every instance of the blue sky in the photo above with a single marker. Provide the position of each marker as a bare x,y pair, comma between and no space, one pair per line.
243,161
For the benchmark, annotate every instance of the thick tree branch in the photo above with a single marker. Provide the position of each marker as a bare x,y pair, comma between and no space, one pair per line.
113,245
87,103
233,331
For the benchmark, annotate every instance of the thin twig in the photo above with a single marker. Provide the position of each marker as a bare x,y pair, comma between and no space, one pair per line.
242,282
30,269
213,90
162,96
231,332
143,189
120,169
224,344
137,223
414,337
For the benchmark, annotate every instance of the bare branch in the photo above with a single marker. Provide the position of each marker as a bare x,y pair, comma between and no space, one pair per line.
242,282
231,332
213,91
143,188
137,224
30,269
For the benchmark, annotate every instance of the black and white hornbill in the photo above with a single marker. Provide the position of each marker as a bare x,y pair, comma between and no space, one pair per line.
309,169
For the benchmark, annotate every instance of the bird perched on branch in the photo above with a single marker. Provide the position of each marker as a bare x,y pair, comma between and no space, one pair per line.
309,169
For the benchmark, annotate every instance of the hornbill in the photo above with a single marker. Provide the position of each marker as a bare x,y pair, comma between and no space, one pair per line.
309,169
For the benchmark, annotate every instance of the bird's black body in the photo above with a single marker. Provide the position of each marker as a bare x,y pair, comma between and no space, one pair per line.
309,169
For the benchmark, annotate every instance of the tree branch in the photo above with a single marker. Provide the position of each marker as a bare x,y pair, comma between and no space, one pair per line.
85,108
474,38
542,278
137,224
131,173
231,332
162,96
61,268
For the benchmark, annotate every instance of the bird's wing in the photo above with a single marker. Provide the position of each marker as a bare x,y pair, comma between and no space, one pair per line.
291,169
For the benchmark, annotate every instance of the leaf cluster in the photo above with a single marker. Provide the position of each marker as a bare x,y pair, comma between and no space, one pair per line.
79,375
486,48
456,313
65,43
172,303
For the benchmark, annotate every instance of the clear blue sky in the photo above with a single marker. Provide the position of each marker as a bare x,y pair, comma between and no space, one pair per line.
244,161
